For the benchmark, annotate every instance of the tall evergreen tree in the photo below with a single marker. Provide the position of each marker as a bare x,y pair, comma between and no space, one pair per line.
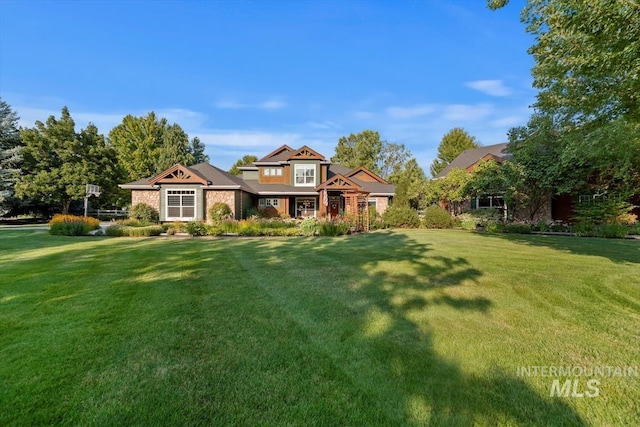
10,158
196,149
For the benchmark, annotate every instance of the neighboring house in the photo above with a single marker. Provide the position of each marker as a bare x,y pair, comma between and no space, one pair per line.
555,208
294,182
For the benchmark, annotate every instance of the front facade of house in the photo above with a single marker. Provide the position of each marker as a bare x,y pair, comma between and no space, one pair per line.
291,182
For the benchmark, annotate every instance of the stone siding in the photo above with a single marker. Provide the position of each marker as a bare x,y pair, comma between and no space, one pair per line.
215,196
148,197
382,203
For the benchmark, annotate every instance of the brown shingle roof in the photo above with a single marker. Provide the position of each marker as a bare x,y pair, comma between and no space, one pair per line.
469,157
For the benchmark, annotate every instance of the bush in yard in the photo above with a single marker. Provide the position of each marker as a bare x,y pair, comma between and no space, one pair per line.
309,227
518,228
144,213
196,228
114,231
219,212
436,217
612,231
400,217
126,231
71,225
336,227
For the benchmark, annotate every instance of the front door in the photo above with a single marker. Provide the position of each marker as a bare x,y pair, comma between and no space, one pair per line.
334,206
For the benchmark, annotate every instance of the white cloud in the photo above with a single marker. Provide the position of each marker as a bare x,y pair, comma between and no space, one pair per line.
509,121
268,105
247,139
324,125
490,87
467,113
410,112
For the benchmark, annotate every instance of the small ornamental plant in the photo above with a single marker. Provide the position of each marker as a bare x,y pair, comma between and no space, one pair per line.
72,225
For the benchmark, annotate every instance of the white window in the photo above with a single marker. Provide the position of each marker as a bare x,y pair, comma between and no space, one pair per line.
273,203
306,208
181,205
373,202
272,171
305,175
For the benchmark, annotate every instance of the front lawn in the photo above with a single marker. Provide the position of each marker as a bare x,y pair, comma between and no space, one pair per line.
419,327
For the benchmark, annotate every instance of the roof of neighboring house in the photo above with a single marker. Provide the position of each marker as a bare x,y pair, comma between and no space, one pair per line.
277,155
470,157
215,177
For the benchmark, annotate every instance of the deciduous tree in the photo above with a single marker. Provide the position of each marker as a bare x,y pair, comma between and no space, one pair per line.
245,160
452,144
58,162
361,149
148,145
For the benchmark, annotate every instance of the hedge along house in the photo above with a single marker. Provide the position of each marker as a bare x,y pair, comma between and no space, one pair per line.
184,193
288,182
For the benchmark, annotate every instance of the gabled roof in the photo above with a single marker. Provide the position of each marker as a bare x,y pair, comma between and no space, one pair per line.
339,182
178,174
202,173
366,175
376,187
305,153
277,155
471,157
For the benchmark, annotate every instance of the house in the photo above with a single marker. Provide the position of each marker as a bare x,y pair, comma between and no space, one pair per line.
289,182
551,208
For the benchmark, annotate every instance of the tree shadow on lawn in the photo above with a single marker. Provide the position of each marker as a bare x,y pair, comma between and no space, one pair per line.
617,250
402,365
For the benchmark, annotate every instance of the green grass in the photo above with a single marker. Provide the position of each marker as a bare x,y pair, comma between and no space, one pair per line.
419,327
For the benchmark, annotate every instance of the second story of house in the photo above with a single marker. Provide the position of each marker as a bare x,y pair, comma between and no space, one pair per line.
302,168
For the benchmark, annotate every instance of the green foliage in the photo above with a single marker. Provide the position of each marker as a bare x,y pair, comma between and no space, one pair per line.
245,160
196,228
58,162
10,158
436,217
410,184
220,211
361,149
452,190
71,225
196,149
118,230
146,146
309,227
518,228
144,213
335,227
586,58
484,218
400,217
601,210
375,219
610,231
451,146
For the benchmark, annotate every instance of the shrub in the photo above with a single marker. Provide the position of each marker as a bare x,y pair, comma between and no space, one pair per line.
635,229
336,227
518,228
114,231
196,228
468,221
219,212
401,217
144,213
612,231
627,219
602,211
229,226
543,226
436,217
119,230
71,225
309,227
496,227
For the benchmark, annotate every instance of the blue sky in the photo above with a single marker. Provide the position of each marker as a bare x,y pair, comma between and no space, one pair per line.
249,76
